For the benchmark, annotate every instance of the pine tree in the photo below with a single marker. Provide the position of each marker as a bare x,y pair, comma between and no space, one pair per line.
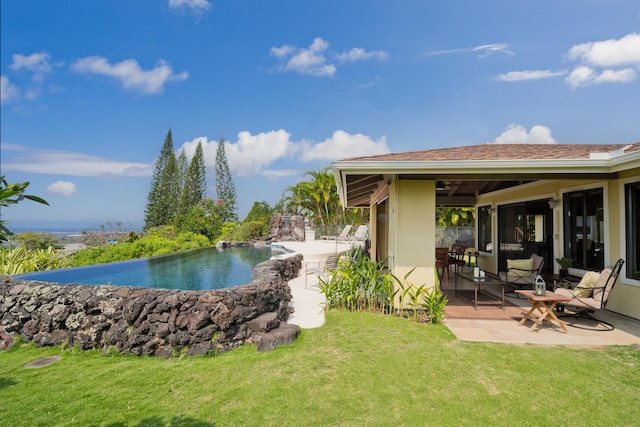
183,165
195,185
225,188
162,198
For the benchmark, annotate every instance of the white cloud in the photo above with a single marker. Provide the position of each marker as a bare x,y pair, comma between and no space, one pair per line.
517,134
37,63
342,145
62,188
255,154
483,50
358,54
249,155
312,60
309,61
73,164
515,76
608,61
8,91
196,6
609,53
129,73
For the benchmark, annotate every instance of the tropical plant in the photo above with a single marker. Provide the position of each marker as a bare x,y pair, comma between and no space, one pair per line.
433,304
564,263
21,260
359,284
11,194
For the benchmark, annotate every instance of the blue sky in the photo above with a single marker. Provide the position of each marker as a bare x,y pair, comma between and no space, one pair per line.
90,89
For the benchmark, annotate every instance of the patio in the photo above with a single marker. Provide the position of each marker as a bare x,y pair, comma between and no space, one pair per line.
492,324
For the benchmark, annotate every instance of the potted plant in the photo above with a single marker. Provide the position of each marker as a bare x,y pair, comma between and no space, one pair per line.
564,264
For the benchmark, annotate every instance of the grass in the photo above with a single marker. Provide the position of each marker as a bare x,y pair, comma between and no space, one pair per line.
358,369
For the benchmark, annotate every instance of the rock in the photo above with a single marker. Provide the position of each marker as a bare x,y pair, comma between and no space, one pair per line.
264,322
284,335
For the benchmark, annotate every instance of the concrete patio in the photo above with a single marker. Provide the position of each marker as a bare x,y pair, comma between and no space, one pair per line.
487,324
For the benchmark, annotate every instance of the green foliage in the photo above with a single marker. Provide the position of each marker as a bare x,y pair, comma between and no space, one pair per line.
455,217
358,284
248,230
158,241
11,194
205,218
162,201
21,260
32,240
225,188
194,187
564,263
261,212
318,200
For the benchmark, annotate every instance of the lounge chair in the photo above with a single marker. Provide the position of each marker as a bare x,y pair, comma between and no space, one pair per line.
320,268
359,235
343,234
522,273
591,294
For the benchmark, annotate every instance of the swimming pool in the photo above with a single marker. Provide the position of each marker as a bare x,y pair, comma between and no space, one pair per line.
199,269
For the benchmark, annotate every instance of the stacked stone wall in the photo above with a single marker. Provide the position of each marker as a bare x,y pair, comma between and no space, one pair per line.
147,321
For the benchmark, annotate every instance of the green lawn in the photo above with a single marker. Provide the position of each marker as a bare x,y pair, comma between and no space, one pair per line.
359,369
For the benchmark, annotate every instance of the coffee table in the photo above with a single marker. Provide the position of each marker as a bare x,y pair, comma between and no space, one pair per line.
544,304
490,279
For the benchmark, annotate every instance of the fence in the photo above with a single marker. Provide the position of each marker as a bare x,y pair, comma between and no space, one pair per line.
446,236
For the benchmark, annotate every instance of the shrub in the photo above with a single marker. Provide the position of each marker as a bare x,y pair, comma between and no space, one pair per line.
32,240
153,244
358,284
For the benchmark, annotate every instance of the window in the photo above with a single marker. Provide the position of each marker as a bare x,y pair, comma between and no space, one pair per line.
632,209
485,244
584,229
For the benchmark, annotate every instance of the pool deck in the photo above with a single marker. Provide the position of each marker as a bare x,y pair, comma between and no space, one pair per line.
308,304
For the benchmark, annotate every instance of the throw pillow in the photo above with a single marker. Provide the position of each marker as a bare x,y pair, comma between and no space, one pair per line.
520,267
586,285
600,291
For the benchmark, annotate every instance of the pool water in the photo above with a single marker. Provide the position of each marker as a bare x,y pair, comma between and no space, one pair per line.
199,269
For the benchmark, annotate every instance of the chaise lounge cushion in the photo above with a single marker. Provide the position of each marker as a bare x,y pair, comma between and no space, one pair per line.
601,293
518,268
586,285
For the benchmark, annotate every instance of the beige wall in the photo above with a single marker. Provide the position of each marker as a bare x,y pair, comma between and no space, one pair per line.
412,230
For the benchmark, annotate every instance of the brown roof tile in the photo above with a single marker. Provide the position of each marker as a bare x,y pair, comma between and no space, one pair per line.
504,152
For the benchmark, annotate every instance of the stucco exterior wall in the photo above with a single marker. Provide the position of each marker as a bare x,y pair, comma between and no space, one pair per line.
412,223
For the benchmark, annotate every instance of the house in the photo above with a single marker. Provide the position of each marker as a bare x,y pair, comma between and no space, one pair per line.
580,201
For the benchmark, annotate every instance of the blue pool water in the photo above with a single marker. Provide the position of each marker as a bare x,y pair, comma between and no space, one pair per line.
199,269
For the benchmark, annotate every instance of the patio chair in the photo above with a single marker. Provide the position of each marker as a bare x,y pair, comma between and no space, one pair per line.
321,268
522,273
456,258
442,263
343,234
590,295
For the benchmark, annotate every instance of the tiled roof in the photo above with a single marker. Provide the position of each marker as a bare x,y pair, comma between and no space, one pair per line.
493,152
